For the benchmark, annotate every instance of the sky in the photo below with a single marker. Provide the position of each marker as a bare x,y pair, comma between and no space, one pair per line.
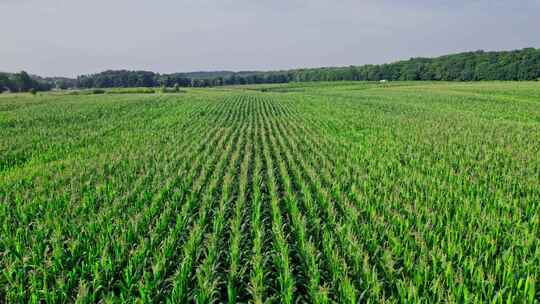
74,37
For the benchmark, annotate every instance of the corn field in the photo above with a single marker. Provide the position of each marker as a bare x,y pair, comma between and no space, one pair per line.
298,193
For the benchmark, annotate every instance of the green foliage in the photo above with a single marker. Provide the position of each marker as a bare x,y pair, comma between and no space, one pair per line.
165,90
22,82
131,91
4,82
471,66
408,192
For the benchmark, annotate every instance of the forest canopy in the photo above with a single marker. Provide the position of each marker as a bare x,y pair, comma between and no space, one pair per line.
518,65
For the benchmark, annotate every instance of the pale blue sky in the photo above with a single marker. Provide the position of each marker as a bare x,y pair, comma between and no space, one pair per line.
71,37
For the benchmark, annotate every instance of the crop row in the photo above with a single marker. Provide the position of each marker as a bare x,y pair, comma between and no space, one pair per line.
284,197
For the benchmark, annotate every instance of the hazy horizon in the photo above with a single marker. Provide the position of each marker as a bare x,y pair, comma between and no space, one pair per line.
70,38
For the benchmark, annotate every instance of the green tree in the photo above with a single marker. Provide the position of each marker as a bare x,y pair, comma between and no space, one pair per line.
4,83
22,82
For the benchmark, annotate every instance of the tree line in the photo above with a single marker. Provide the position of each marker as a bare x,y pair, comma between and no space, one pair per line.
470,66
124,78
23,82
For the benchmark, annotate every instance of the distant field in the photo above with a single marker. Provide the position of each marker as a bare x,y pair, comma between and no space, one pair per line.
306,192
